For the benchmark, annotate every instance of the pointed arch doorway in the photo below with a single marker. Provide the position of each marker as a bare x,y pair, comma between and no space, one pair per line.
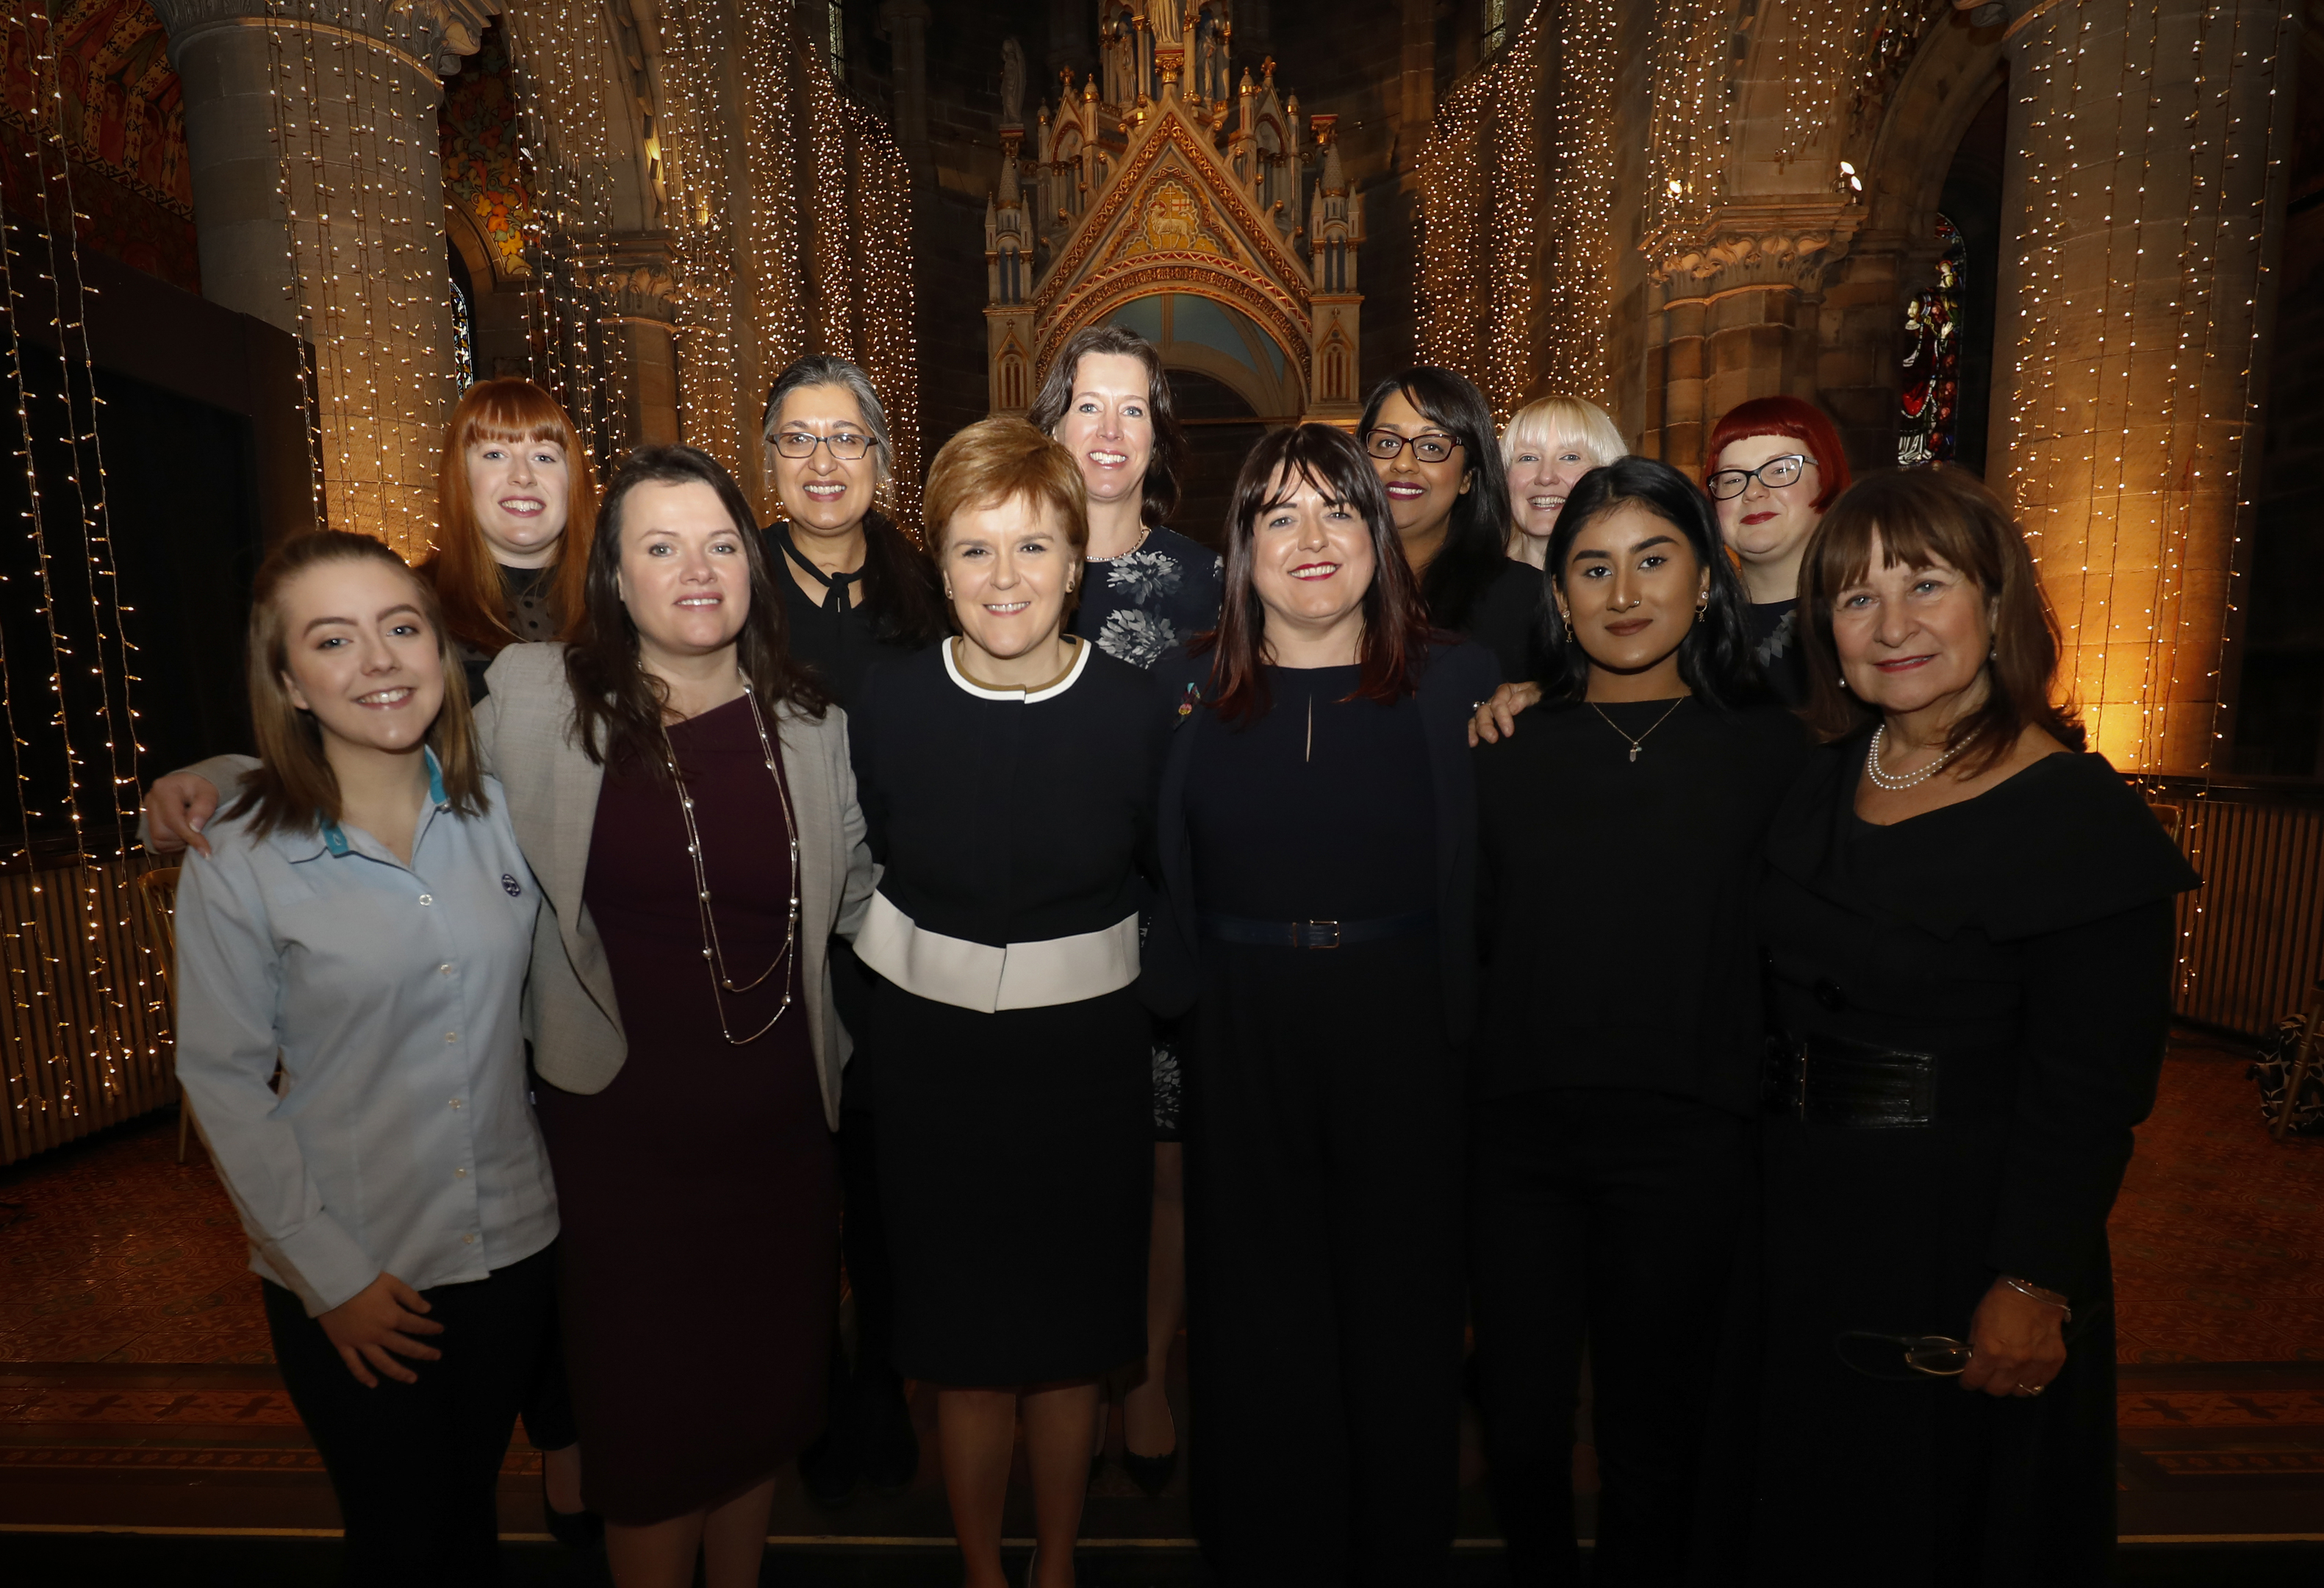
1230,383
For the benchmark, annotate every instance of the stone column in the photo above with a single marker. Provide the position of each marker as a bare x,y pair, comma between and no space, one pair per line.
2147,194
639,284
318,208
906,23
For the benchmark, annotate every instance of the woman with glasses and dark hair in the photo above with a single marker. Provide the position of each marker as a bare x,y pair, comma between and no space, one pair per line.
854,587
1147,591
856,590
1968,928
1429,435
1772,465
1618,1040
1318,846
684,796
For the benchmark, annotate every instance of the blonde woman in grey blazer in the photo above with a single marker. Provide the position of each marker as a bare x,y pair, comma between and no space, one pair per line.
678,1009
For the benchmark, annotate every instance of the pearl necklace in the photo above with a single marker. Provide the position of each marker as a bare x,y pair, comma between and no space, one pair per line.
713,956
1891,781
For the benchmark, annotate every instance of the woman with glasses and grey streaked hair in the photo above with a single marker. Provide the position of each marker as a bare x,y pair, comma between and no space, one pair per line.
858,588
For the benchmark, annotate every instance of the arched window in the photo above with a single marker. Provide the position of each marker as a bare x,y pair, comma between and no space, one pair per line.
1928,427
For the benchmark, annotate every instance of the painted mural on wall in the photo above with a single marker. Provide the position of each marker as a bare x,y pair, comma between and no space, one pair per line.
483,167
96,78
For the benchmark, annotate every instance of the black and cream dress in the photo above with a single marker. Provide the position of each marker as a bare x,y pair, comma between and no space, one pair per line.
1015,830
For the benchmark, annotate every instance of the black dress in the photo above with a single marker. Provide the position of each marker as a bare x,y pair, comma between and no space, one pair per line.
1015,1164
699,1192
839,638
1325,1104
1983,995
1618,1086
1774,627
1508,619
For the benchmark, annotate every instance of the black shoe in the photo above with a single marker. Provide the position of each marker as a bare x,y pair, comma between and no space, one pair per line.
1150,1473
830,1470
574,1530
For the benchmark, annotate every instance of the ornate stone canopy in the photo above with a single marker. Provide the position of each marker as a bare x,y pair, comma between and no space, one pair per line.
1164,201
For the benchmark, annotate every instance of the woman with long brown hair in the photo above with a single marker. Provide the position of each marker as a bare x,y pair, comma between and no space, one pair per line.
323,1020
516,501
1318,839
1967,919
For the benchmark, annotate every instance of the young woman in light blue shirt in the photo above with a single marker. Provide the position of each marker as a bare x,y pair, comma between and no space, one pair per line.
363,918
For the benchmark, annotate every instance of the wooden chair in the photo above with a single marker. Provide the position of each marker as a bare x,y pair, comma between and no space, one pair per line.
2303,1059
157,892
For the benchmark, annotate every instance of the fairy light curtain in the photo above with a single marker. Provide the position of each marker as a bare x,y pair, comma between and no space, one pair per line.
79,1024
1516,279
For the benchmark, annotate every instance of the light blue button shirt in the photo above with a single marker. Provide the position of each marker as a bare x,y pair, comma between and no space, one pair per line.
402,1140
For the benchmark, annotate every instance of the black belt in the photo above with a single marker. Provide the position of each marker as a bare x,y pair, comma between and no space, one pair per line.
1826,1080
1235,928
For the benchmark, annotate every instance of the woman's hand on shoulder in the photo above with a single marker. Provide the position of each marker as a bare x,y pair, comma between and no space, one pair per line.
1498,716
177,809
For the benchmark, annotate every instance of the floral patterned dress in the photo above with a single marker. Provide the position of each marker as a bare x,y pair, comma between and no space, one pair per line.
1140,606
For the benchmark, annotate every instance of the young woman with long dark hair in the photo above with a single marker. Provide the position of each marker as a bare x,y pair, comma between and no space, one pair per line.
1318,843
1617,1049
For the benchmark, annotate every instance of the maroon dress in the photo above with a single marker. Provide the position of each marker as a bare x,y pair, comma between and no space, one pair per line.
699,1193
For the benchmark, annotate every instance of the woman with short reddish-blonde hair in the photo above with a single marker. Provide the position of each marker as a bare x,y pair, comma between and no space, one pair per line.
1008,779
516,498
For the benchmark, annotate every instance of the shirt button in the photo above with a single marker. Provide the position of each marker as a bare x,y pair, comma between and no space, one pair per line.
467,1239
456,1102
444,970
459,1174
427,898
451,1036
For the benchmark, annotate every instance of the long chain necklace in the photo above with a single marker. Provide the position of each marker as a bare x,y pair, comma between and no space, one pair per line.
1639,742
1893,783
713,956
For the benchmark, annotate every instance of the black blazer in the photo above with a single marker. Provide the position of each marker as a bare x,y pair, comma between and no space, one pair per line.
1458,675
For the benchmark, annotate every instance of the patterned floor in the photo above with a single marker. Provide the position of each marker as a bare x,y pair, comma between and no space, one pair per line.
136,1386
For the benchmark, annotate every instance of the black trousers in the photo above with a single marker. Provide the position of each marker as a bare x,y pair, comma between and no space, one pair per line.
415,1466
1324,1186
1611,1215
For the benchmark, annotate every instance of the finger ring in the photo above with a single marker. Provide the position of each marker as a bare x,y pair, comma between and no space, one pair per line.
2035,1389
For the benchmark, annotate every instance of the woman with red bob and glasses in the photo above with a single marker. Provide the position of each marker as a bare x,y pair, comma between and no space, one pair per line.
1772,465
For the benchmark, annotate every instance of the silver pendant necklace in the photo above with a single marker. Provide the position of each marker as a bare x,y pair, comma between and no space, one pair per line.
713,956
1638,743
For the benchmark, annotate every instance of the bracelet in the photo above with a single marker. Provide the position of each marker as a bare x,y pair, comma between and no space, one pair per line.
2035,1292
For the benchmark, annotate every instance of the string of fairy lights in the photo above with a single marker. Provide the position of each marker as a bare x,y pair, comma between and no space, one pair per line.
81,998
1579,213
695,150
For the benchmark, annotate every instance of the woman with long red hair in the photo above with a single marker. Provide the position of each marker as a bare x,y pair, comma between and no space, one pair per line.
517,501
517,505
1318,795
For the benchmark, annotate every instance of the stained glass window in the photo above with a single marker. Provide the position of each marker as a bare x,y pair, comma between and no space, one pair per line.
1929,398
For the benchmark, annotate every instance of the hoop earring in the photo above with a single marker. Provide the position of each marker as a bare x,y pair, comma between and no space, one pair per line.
1702,606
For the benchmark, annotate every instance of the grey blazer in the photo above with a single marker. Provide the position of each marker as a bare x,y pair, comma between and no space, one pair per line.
525,728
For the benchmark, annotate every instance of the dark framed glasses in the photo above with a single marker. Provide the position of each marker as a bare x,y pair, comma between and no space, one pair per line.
844,445
1774,474
1428,446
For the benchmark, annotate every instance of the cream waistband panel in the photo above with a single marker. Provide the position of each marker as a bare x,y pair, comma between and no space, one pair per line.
979,976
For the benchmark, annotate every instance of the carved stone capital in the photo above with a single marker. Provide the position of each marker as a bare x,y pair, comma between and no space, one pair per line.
635,274
1740,249
431,33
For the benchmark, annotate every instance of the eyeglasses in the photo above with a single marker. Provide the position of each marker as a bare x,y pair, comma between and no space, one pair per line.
1774,474
844,445
1429,447
1932,1356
